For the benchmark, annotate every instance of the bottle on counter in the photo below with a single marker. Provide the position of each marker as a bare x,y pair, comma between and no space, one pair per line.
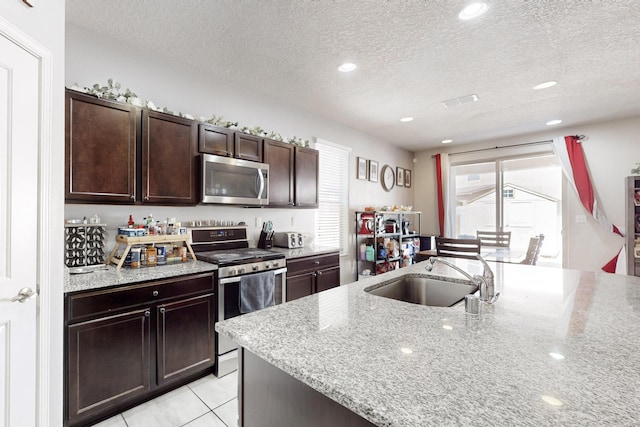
130,222
151,224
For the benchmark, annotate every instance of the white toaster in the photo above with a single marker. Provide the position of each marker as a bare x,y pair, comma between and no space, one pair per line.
288,239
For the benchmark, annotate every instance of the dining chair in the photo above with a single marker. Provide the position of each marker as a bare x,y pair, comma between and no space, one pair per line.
533,251
494,238
458,248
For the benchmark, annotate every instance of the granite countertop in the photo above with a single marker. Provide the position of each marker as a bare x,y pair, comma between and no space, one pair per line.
560,347
309,250
111,276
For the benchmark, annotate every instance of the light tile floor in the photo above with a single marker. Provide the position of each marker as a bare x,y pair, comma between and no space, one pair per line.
209,401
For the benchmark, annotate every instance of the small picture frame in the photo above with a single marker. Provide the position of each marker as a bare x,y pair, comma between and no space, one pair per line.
362,168
373,171
636,252
407,178
636,197
400,177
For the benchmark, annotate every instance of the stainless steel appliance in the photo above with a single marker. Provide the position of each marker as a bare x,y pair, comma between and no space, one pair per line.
288,239
227,180
228,247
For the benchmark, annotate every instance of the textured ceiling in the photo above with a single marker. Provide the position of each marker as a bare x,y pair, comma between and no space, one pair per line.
411,56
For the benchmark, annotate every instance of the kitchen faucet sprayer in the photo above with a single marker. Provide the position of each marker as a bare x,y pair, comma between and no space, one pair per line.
485,282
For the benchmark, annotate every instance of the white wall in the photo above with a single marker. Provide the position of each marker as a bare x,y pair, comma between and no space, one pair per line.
611,150
93,59
44,23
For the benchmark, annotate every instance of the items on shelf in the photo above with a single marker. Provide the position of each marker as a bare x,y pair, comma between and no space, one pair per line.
633,225
153,250
386,240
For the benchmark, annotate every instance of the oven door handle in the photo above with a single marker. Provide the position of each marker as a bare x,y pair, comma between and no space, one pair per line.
236,279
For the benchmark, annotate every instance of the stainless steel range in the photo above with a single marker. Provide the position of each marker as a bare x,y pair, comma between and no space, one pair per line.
238,267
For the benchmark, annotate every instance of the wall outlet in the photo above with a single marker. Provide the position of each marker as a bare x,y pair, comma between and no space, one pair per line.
258,221
293,220
581,219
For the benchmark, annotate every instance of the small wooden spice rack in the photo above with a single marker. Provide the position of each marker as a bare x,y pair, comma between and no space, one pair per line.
145,240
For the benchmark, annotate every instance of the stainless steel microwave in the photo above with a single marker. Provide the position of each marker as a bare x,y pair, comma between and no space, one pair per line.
232,181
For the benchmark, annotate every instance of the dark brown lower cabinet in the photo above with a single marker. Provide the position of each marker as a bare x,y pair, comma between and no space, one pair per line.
185,337
112,361
130,344
308,275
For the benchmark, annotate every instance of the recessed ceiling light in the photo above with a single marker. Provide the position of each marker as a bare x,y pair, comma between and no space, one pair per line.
554,122
473,11
447,327
406,119
406,350
556,355
347,67
545,85
552,400
446,141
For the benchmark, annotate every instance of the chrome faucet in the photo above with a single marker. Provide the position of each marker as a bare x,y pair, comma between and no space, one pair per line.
485,282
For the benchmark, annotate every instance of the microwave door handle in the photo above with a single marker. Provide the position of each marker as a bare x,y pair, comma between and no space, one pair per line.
261,179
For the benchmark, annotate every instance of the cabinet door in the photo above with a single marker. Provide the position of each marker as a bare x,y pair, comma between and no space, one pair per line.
108,362
215,140
100,150
300,286
279,156
327,279
169,159
248,147
185,337
306,177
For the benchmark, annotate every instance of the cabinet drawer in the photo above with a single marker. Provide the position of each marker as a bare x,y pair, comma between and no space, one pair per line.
312,263
96,303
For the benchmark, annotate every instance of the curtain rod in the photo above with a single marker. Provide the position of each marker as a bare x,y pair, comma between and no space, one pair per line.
547,141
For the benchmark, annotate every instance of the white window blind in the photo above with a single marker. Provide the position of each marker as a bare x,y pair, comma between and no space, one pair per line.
332,215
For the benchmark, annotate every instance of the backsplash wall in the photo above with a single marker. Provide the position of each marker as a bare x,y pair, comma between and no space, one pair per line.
300,220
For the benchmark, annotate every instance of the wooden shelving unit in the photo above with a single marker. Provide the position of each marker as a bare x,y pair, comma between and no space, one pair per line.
633,225
145,240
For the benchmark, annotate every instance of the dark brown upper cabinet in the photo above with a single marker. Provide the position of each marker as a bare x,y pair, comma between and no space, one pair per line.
228,143
100,150
305,183
279,156
215,140
248,147
119,153
169,159
293,175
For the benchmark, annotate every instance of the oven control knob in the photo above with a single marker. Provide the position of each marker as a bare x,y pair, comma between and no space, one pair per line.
241,270
267,265
233,272
255,267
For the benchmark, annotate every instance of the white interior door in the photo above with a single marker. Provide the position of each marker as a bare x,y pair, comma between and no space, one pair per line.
19,112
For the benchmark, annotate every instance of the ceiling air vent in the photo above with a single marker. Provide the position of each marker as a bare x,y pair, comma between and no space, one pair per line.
459,101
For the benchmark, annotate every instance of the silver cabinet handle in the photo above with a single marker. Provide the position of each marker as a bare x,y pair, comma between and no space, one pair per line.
162,310
155,293
133,198
147,313
24,295
261,181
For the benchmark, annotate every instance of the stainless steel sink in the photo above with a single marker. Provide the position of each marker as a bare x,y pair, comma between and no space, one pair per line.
424,290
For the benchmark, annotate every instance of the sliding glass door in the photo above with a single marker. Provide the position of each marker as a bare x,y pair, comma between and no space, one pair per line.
518,194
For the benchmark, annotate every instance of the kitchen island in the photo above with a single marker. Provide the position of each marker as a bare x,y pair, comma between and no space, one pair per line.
560,347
